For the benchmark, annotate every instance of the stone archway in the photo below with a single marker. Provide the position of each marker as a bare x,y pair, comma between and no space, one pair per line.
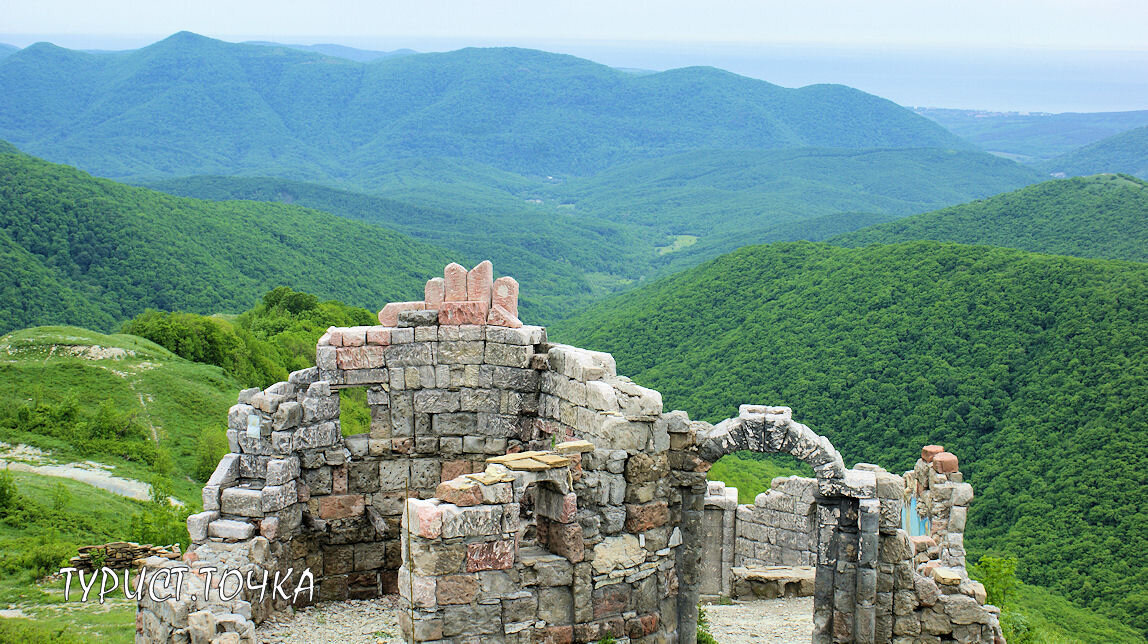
845,535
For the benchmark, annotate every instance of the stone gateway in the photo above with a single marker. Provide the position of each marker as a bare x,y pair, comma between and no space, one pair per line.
515,490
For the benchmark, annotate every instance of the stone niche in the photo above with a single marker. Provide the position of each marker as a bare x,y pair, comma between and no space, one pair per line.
515,490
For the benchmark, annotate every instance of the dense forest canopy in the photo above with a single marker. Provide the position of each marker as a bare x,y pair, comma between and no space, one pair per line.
1104,216
90,251
1032,368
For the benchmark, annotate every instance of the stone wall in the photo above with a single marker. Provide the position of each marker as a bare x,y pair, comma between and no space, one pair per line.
778,529
510,489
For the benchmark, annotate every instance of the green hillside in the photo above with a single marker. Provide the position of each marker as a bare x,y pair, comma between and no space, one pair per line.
583,239
1034,136
1126,152
77,396
731,199
94,252
563,259
1103,217
1032,368
193,105
57,380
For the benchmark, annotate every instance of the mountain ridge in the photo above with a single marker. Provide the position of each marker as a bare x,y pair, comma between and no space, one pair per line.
1103,216
1126,153
523,110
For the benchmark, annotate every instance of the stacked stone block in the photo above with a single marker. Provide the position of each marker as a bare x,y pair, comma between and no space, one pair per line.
778,528
470,570
718,540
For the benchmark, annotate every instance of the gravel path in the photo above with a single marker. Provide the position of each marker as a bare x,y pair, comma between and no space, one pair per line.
775,621
362,621
373,621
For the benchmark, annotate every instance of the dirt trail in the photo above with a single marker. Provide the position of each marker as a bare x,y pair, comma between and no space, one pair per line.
23,458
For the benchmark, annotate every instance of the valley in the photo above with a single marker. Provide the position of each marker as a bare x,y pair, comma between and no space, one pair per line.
185,220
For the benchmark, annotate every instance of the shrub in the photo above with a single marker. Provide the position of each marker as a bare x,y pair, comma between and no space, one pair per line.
998,574
210,447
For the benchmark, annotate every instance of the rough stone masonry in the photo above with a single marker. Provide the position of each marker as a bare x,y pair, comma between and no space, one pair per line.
515,490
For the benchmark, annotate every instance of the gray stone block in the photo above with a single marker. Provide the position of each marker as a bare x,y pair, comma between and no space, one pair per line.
436,401
414,354
451,353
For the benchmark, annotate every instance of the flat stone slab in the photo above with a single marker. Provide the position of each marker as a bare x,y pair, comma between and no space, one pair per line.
772,582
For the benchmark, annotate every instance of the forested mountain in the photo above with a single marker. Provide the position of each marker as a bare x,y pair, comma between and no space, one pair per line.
1104,216
1126,152
1032,368
79,250
193,105
563,259
586,237
6,50
1034,136
729,199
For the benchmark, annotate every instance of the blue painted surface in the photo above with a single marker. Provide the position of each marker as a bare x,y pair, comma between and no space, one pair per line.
913,524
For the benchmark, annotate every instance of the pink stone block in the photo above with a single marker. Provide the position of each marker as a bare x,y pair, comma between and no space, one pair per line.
929,451
334,337
945,463
479,282
359,357
499,316
492,555
455,283
461,492
463,312
565,539
378,336
339,479
341,506
427,518
435,292
505,294
355,336
389,316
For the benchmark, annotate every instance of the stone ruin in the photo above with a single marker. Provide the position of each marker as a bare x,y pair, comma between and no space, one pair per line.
515,490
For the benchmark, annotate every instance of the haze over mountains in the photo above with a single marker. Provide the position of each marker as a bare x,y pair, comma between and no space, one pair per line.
623,203
225,108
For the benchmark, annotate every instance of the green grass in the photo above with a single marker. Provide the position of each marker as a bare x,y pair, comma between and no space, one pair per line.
87,515
1051,619
172,397
678,242
753,473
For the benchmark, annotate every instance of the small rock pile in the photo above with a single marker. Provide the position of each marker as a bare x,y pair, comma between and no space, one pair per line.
119,555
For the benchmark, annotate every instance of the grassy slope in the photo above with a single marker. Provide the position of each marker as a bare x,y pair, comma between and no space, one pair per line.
113,250
48,615
1126,152
987,351
176,397
192,105
1102,217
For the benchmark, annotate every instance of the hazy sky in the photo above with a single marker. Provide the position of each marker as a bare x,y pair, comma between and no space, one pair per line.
1061,24
1083,54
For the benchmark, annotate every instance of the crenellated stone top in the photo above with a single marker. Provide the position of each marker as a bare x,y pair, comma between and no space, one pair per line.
462,297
